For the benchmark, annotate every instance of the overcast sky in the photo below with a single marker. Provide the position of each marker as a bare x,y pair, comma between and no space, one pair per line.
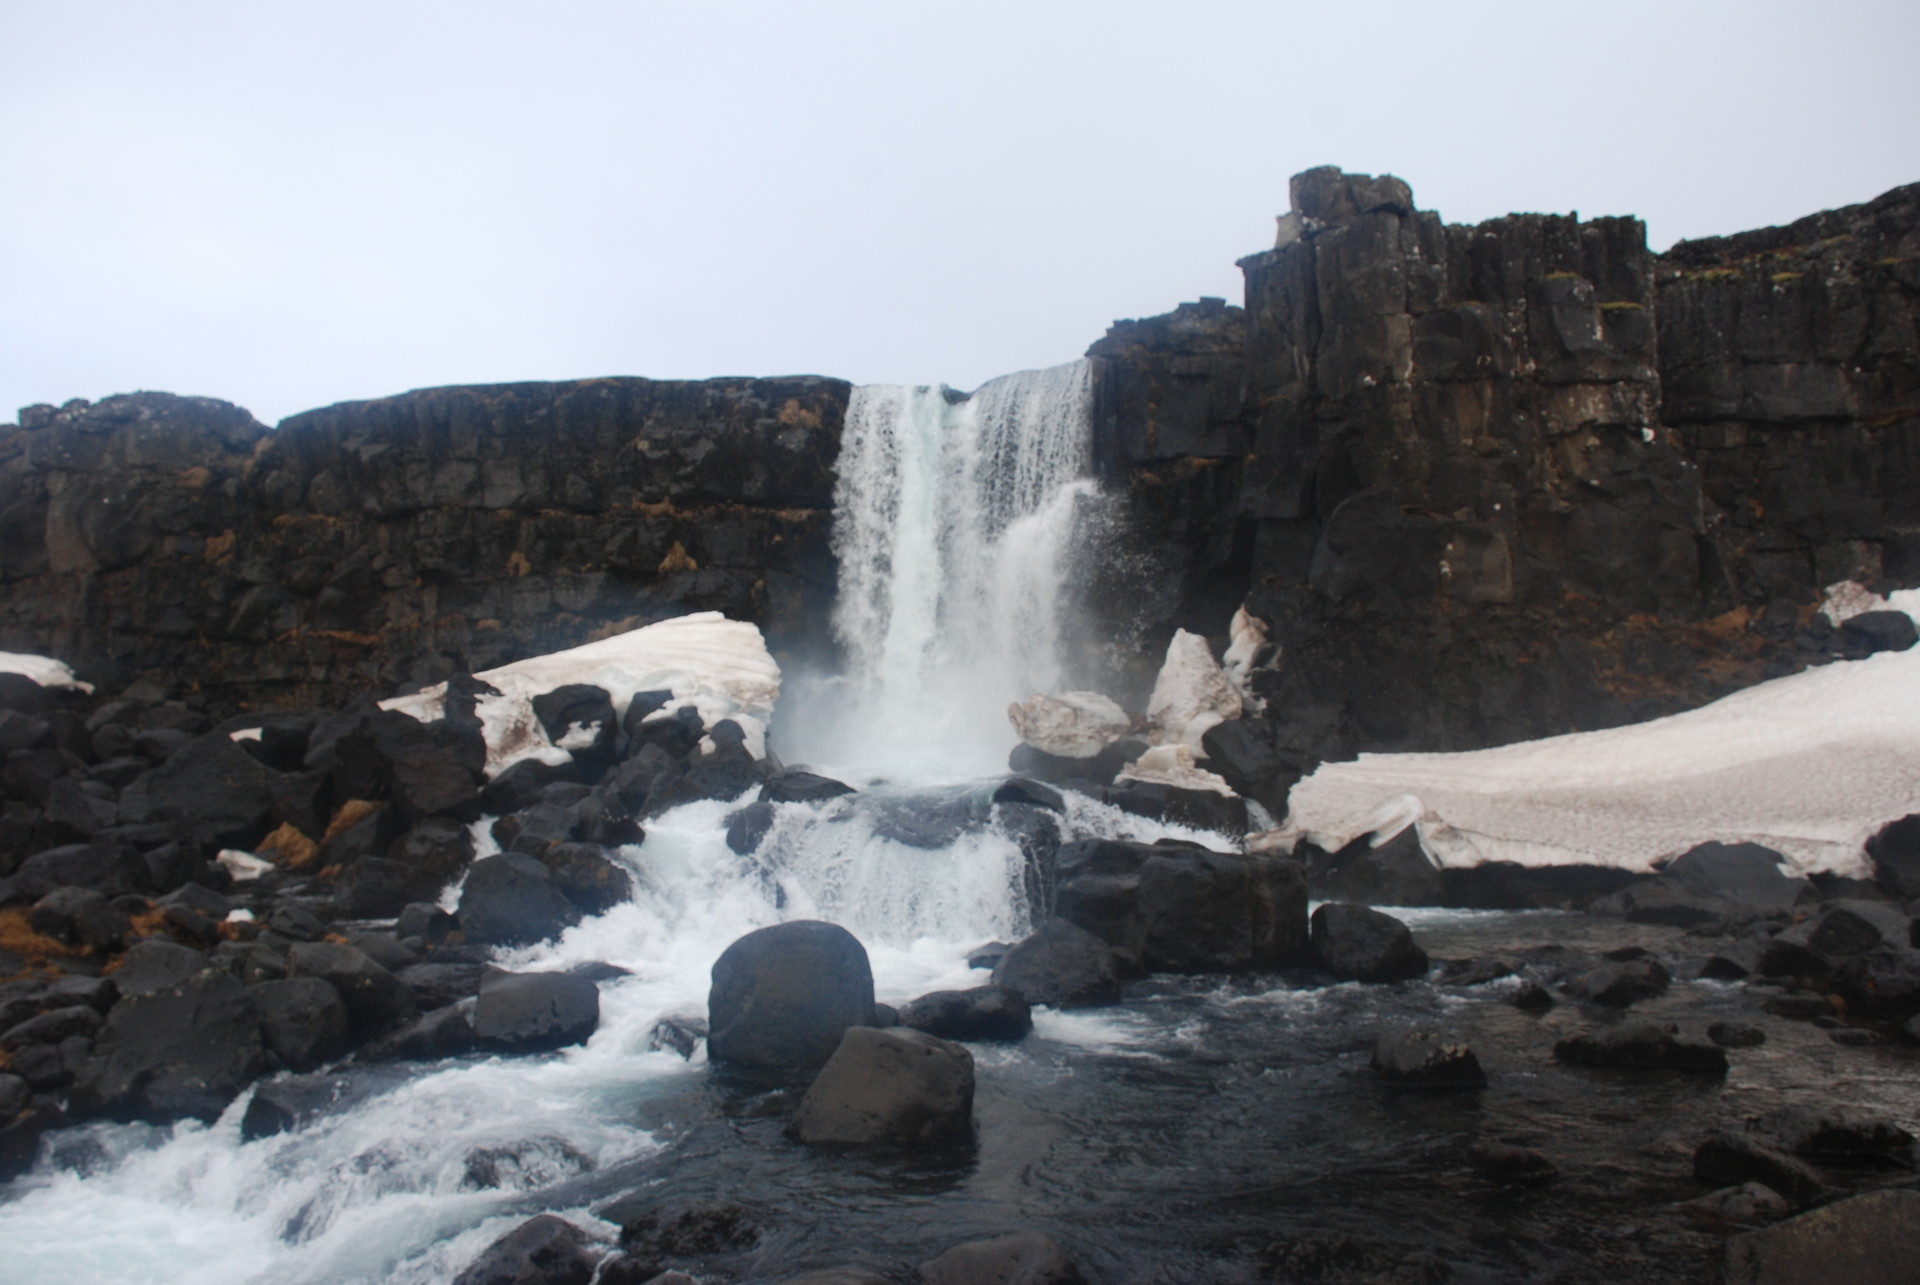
287,205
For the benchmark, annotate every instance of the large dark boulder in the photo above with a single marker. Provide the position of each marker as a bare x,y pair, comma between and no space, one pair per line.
541,1251
895,1087
427,769
1877,631
1359,944
303,1021
1060,964
1641,1046
587,876
1177,908
512,900
1729,1159
1199,809
1882,983
1618,984
535,1012
1896,857
1396,873
374,997
157,965
1427,1058
983,1013
175,1054
210,787
1025,1258
579,717
1870,1239
783,996
797,786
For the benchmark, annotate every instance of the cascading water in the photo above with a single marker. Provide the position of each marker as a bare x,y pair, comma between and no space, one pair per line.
955,526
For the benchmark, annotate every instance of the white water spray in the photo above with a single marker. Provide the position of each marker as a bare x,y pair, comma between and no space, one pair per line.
955,521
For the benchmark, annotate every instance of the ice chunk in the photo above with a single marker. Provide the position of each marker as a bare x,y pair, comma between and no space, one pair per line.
1249,635
1075,725
1191,695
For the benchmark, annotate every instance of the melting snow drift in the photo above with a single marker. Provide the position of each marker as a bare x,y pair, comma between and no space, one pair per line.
43,670
720,667
1811,765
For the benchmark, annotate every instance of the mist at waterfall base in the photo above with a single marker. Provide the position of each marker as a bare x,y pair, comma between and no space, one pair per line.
1178,1136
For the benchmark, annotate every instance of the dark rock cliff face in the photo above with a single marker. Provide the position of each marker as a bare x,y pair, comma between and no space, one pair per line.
1484,483
1522,478
367,545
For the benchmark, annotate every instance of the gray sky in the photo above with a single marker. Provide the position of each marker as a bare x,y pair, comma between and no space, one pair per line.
288,205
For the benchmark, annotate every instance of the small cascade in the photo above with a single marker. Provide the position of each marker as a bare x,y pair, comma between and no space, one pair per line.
955,525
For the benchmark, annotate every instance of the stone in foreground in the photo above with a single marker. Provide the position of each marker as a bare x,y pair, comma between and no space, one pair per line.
1871,1239
1061,964
1426,1058
541,1251
783,996
896,1087
983,1013
1026,1257
1359,944
535,1012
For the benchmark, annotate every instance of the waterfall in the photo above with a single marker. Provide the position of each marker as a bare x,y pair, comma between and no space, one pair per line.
954,526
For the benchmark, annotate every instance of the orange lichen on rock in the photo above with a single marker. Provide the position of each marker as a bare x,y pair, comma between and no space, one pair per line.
290,848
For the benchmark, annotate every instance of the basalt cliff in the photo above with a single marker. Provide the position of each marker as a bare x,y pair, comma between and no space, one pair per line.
1481,482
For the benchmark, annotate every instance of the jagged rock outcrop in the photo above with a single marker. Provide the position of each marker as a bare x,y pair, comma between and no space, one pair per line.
1496,482
369,544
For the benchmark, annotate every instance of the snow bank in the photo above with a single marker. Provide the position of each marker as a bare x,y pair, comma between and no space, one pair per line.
1249,636
1810,765
1075,725
1846,599
718,666
43,670
1190,695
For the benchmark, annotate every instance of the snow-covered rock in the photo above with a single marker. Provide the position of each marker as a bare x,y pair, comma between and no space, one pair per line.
1810,765
43,670
1075,725
718,666
1173,765
1846,599
1249,636
1191,695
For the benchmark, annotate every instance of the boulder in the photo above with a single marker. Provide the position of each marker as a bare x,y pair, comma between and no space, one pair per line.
80,917
535,1012
1071,725
438,985
1641,1046
1837,1135
1880,984
1509,1165
1182,908
587,876
427,769
783,996
212,788
52,1027
374,997
1060,964
512,900
1426,1058
579,718
1024,1258
797,786
1396,873
1896,857
1870,1239
653,1229
1056,769
1877,631
541,1251
747,827
1729,1159
447,1031
1357,943
1736,1035
1198,809
288,1101
983,1013
175,1054
1617,985
896,1087
1018,789
303,1021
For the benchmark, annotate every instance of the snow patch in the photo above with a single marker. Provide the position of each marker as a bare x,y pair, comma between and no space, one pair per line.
1810,765
1249,636
1190,695
719,667
1075,725
43,670
1173,765
1846,599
